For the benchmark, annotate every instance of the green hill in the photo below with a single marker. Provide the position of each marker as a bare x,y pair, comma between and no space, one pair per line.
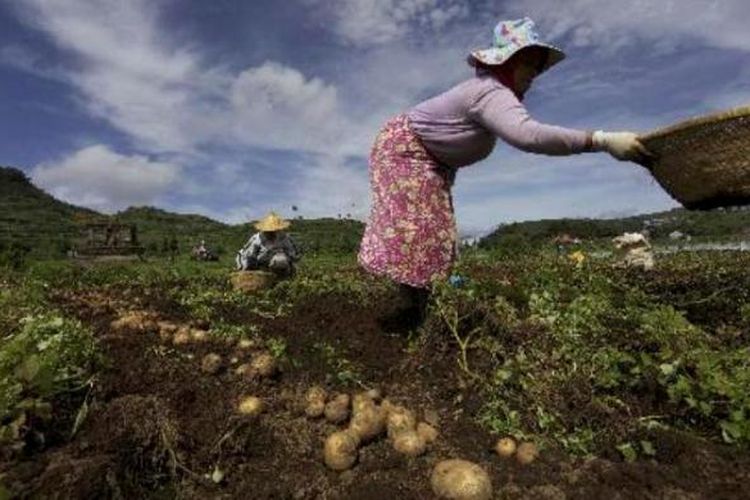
730,224
31,218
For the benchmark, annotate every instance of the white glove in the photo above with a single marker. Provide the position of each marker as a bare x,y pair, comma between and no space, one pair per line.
624,146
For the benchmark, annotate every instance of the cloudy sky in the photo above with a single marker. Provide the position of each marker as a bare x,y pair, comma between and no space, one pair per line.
230,108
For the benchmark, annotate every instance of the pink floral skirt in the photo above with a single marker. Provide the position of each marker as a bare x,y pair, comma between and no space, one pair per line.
411,234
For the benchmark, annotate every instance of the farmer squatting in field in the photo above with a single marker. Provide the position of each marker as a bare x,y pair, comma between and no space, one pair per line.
269,249
411,233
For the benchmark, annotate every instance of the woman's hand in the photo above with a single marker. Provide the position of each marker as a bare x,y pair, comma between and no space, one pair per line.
624,146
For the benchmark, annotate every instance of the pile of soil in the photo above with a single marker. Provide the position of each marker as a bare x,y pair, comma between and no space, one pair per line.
158,426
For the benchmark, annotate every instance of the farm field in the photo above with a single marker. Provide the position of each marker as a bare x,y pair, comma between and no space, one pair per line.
631,384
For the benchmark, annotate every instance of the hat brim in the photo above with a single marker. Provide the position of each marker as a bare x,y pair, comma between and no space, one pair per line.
260,226
495,56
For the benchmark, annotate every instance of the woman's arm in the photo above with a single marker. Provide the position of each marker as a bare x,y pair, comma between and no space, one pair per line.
501,113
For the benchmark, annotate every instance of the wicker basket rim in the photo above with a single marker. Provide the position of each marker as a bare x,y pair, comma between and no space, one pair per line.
698,121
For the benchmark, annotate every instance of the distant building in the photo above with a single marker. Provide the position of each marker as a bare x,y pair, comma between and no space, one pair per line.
469,241
676,235
107,238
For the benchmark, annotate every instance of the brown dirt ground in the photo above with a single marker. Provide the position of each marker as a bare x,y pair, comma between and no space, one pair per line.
157,425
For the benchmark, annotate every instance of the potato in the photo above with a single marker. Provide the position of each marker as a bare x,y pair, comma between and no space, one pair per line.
246,344
198,336
337,410
182,336
315,400
361,401
526,453
427,432
387,405
340,450
399,420
505,447
315,409
211,363
263,365
374,394
251,406
368,423
166,326
315,393
243,370
460,480
409,443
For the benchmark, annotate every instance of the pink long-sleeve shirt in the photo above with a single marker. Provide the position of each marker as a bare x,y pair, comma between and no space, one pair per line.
460,127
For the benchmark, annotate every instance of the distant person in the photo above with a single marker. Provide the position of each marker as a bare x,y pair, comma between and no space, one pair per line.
411,233
202,252
634,250
269,249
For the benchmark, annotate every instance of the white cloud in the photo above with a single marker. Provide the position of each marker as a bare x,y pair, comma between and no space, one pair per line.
373,22
274,106
127,71
612,24
130,71
331,186
99,178
172,100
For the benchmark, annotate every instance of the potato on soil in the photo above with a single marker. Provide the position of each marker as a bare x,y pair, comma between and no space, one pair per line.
263,365
340,450
246,344
374,394
141,321
505,447
211,363
198,336
427,432
399,420
243,370
251,406
166,326
460,480
361,401
315,401
387,405
368,423
337,410
526,453
182,337
409,443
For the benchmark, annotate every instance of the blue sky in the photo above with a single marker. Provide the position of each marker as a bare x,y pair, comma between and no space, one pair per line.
231,108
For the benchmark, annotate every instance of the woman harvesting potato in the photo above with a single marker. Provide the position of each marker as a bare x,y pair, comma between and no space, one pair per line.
411,233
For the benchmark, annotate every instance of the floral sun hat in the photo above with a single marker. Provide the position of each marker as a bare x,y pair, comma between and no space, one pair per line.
271,222
510,37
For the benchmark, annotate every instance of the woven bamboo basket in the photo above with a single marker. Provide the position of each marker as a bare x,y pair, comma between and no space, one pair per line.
704,162
253,281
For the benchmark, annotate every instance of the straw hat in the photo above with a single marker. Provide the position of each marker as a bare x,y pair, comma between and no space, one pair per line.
271,222
510,37
704,162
